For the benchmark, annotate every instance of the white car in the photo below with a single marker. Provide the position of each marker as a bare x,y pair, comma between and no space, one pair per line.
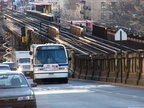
4,67
12,65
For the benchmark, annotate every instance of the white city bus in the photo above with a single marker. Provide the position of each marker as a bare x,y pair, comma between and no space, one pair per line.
49,61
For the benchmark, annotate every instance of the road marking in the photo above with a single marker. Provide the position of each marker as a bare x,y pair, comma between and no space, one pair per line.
61,91
136,106
90,86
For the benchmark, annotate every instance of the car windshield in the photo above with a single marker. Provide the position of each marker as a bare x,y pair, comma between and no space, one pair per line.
12,81
4,68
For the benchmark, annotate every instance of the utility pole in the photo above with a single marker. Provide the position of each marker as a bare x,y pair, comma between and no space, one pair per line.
120,36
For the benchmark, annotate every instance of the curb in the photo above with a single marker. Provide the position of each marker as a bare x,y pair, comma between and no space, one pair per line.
110,83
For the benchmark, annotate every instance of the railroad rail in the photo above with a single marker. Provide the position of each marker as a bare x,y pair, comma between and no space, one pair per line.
87,45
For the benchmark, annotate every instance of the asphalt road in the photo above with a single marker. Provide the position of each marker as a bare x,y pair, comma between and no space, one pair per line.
85,94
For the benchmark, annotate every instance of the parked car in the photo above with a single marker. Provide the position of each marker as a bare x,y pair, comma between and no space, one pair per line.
4,67
12,65
15,91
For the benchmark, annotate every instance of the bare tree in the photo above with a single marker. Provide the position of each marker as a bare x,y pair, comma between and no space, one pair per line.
71,10
128,14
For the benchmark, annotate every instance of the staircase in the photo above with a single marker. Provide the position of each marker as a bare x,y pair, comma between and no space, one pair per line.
2,49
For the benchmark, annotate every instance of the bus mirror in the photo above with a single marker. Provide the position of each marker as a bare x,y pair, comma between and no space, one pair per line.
69,58
30,52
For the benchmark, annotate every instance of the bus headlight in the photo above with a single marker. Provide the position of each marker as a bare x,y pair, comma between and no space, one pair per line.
38,69
20,69
63,68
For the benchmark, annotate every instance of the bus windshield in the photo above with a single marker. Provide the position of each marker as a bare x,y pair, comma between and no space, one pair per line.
50,56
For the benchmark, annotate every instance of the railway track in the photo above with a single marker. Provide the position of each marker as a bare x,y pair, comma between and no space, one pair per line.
87,45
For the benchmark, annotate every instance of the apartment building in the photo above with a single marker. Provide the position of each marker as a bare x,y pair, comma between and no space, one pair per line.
99,10
127,13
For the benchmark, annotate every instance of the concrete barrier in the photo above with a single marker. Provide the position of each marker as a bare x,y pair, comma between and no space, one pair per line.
76,66
96,67
76,30
104,68
141,69
133,73
53,31
83,66
107,68
113,65
87,68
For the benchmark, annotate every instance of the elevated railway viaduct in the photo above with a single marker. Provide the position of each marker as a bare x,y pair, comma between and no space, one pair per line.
93,58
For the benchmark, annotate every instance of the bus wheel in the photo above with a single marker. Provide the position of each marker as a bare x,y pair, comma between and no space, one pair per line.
31,75
38,81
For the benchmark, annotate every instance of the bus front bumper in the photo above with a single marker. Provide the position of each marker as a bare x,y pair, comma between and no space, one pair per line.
51,75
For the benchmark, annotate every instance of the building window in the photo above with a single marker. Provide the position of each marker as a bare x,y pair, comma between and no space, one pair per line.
112,4
103,16
103,5
111,15
123,3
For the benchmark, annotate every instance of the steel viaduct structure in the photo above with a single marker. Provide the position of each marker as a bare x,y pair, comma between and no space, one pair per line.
93,58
